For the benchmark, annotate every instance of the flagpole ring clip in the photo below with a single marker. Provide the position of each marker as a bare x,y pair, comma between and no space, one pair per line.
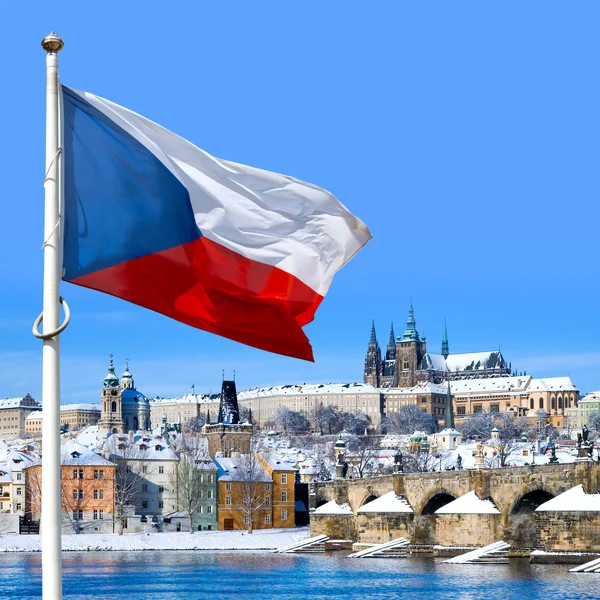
57,331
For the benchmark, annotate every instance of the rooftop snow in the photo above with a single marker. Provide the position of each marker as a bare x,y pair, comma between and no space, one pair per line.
187,399
333,508
235,469
469,504
309,389
573,500
552,384
389,503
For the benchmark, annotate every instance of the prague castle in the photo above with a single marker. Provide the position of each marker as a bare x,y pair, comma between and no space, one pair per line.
408,363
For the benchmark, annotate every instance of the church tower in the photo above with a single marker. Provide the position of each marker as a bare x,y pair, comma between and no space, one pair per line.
410,350
111,418
445,347
372,372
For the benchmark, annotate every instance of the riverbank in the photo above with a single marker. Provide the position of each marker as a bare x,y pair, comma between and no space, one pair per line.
262,539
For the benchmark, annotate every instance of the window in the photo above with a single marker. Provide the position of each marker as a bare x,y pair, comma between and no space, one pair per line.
144,469
75,494
461,410
161,488
228,500
96,474
161,504
211,478
20,476
268,487
228,486
95,515
19,491
284,515
478,409
532,404
18,506
267,519
81,494
78,515
245,519
144,503
284,478
80,473
268,501
144,487
560,402
161,469
210,494
495,408
541,403
74,473
284,496
128,468
209,509
101,514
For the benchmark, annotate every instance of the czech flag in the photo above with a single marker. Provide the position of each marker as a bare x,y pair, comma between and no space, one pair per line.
150,218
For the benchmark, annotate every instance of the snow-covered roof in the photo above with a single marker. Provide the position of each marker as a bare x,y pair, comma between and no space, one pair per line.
81,406
143,447
14,403
468,504
474,361
388,503
309,389
71,456
276,463
333,508
435,362
89,436
573,500
452,432
421,388
489,385
552,384
234,469
591,397
186,399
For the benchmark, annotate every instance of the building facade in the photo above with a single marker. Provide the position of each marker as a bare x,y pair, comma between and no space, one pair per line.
72,418
181,410
13,413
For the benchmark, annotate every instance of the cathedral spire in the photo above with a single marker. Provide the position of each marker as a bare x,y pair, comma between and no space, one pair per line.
449,414
445,346
411,333
373,339
392,340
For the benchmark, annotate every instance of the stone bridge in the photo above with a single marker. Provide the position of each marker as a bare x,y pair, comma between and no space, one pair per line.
516,492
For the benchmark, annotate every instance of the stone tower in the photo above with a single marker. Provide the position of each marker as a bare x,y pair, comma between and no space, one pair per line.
410,350
389,365
228,435
373,369
445,346
111,418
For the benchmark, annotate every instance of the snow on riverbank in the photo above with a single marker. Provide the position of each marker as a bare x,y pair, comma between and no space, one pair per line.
262,539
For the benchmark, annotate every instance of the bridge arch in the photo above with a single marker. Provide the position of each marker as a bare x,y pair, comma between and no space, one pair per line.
526,501
369,498
436,500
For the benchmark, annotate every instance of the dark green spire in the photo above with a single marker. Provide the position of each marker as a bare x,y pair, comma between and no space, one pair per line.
392,340
111,379
373,339
411,333
449,415
445,347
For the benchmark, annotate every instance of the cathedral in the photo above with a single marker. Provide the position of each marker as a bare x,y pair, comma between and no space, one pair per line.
407,362
123,407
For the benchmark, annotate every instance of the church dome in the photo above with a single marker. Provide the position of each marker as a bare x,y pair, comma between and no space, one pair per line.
131,397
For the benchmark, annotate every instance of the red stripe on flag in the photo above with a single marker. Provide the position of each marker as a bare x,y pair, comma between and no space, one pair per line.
215,289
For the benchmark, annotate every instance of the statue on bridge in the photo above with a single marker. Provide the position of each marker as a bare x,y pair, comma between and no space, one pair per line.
586,434
553,460
459,462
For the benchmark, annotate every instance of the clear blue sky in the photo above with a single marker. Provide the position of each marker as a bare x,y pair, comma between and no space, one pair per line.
465,134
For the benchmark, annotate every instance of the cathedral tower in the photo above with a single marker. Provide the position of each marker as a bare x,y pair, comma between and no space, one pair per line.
410,350
373,369
389,365
111,419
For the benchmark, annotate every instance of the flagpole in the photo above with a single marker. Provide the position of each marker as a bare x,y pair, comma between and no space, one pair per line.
51,498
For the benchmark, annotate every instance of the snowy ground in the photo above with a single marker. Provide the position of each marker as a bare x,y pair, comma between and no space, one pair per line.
262,539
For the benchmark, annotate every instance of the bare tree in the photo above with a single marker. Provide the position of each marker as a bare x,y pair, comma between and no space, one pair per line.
409,419
129,475
502,450
364,455
187,477
250,477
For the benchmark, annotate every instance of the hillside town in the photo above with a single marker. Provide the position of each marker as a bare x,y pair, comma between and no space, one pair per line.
254,460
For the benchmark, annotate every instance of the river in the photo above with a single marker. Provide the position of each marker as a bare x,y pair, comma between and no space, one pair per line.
248,575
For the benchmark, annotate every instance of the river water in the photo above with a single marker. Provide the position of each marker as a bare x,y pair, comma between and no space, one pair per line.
248,575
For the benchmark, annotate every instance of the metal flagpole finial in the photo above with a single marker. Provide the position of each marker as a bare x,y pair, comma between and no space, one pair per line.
52,43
